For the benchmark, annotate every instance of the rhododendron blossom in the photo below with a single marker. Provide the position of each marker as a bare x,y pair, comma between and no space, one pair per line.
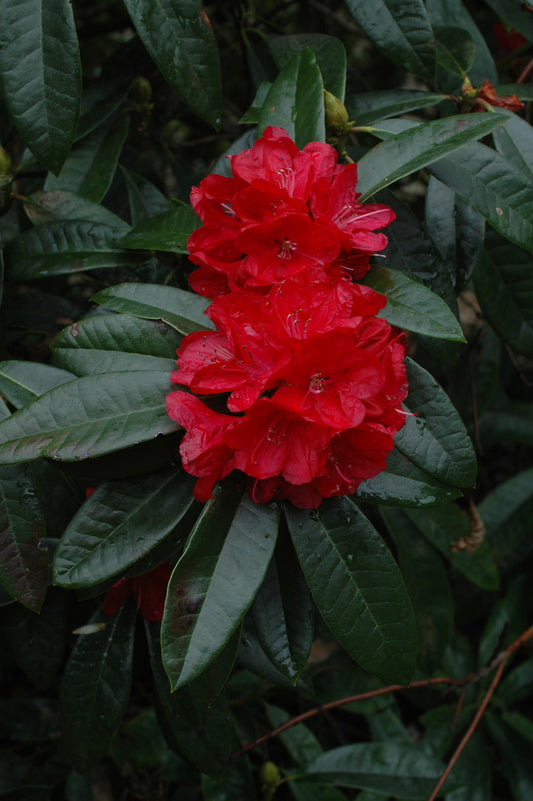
312,381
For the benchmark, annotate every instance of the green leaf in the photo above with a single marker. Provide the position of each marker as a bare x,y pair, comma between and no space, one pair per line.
488,182
253,659
45,207
179,37
428,587
407,151
23,382
283,613
116,342
413,307
388,768
357,587
23,555
88,417
168,231
515,755
299,741
144,198
235,783
517,15
89,169
524,91
211,682
99,100
508,618
518,684
506,512
445,526
96,686
329,53
201,732
365,108
182,310
119,524
215,581
457,230
65,246
435,439
41,75
455,50
514,141
504,287
404,484
402,31
295,101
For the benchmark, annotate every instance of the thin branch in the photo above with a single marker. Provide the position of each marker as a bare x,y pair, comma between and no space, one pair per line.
525,72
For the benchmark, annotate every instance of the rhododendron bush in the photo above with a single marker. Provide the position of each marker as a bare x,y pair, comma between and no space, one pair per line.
265,399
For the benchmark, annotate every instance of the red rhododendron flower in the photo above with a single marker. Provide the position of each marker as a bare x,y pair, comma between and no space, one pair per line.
508,40
148,590
312,380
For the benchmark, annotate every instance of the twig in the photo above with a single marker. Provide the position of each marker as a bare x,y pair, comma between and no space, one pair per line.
525,72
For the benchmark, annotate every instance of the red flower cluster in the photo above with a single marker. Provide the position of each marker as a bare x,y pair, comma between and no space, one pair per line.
314,379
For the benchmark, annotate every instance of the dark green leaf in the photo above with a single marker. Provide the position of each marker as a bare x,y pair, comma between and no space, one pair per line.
283,613
365,108
295,101
410,146
514,141
201,731
96,686
23,555
99,101
435,439
168,231
507,513
516,14
457,230
446,527
203,609
504,287
184,311
211,682
90,168
299,741
402,31
118,525
455,50
515,755
388,768
488,182
404,484
357,587
144,198
179,37
253,658
251,117
23,382
518,684
88,417
329,53
116,342
413,307
65,246
524,91
427,585
236,783
37,642
41,76
45,207
508,618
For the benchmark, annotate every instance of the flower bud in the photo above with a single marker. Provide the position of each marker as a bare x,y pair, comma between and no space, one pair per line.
5,162
269,773
336,114
141,90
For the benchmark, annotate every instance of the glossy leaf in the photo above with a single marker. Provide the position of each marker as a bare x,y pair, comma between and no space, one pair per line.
116,342
521,90
357,587
89,169
413,307
88,417
295,101
168,231
236,782
514,141
99,101
435,439
23,555
455,50
488,182
41,75
445,527
252,657
427,584
118,525
65,246
409,146
514,754
202,732
517,15
179,37
144,198
404,484
508,618
504,287
299,741
283,613
203,609
96,686
23,382
182,310
518,684
388,768
402,31
457,230
506,512
45,207
329,53
365,108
